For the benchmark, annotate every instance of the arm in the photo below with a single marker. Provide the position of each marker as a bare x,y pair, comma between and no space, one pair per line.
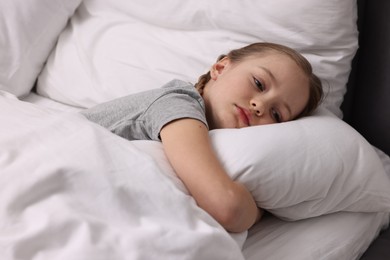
187,146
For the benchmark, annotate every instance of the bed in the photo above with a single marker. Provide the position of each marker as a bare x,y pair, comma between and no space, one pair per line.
72,190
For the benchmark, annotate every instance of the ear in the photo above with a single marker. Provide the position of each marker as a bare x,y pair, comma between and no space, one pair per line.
219,67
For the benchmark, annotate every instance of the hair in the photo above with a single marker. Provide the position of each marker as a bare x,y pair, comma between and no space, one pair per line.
315,86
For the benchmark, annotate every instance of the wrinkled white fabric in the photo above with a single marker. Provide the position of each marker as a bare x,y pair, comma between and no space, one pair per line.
72,190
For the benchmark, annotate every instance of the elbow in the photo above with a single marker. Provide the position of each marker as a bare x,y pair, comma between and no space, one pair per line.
234,208
231,215
237,212
228,218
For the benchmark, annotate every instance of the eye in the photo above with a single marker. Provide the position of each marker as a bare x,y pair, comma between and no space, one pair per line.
276,116
259,85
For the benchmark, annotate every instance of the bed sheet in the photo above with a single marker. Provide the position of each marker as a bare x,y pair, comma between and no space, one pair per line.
335,236
48,103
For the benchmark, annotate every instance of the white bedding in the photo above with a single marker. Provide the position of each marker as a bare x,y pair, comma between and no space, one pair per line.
338,236
71,190
81,205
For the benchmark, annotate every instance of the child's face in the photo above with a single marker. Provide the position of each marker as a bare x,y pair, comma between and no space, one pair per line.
256,91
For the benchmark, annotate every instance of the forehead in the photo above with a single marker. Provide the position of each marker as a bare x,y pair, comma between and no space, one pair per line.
276,55
278,65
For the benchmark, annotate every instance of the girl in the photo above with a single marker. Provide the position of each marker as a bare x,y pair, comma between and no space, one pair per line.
259,84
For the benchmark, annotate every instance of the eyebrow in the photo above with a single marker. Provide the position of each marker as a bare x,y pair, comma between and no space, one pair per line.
271,75
268,72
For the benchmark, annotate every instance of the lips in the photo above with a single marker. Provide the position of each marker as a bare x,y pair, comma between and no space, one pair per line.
244,115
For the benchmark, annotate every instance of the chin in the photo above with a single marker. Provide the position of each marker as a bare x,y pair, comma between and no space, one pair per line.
231,125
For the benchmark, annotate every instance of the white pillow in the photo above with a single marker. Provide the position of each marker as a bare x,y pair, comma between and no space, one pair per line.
113,48
300,169
28,32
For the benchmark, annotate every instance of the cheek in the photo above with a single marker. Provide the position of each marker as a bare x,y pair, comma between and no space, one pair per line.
304,101
265,120
238,89
231,81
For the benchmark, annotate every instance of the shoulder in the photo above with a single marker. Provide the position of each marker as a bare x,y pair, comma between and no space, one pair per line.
177,83
181,90
176,100
178,87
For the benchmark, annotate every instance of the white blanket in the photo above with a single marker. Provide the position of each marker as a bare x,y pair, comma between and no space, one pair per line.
70,189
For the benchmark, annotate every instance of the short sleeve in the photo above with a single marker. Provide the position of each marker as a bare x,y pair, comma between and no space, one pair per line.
170,107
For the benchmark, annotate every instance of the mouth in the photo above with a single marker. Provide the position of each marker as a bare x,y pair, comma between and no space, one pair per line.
243,115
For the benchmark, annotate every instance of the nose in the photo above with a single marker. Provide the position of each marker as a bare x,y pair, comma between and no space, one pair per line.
258,107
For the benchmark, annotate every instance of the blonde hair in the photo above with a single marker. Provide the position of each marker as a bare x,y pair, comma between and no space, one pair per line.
315,86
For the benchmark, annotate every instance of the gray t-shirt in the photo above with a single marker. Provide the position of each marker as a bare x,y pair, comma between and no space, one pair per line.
141,116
